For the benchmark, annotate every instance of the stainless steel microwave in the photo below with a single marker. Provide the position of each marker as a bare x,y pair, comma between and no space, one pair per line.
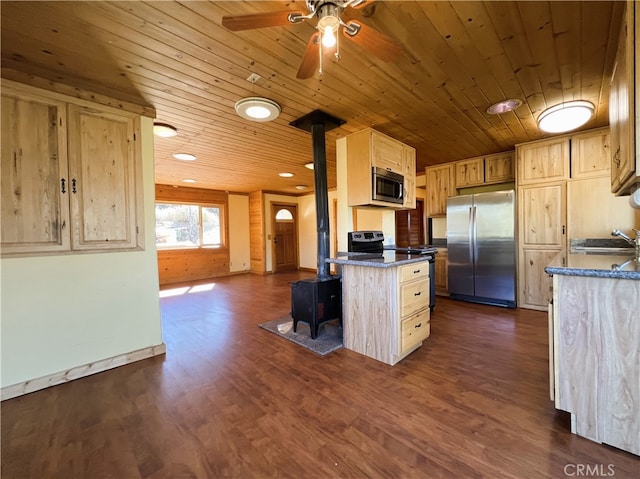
387,186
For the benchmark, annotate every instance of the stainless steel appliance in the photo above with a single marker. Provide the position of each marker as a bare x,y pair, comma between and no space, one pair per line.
371,244
481,247
387,186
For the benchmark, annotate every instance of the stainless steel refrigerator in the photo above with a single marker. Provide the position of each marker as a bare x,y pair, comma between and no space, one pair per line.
481,248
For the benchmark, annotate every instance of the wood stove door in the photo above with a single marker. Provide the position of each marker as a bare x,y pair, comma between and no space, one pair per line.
285,237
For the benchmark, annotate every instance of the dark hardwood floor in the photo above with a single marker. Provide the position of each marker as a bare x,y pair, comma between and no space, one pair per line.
233,400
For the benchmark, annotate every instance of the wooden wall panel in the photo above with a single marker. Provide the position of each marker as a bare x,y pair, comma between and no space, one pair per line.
175,266
257,232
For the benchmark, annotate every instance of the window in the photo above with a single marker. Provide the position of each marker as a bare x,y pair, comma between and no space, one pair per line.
188,226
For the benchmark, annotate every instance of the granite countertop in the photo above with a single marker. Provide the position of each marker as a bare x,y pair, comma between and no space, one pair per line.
387,259
621,266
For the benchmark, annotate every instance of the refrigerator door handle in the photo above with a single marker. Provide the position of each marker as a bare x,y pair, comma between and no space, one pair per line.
474,236
471,233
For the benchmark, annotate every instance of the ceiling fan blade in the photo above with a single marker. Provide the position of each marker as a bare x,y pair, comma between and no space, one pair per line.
362,4
257,20
384,47
309,64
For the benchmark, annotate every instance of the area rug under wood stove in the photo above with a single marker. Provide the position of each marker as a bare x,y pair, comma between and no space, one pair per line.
329,335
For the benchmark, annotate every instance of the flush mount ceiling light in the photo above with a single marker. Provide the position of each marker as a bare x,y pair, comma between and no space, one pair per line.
504,106
189,180
257,109
285,175
565,116
184,156
164,130
309,166
301,187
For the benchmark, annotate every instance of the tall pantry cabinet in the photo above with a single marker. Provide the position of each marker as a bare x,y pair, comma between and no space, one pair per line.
71,174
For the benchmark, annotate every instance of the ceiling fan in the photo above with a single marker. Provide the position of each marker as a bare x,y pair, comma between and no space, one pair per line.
329,22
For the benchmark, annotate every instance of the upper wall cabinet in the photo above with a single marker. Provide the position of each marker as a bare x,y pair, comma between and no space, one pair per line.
71,174
369,148
485,170
624,106
590,154
543,161
440,185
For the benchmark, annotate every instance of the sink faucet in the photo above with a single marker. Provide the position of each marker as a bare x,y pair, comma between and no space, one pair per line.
635,243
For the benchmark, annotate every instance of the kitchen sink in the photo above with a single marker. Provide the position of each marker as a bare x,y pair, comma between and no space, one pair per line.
600,246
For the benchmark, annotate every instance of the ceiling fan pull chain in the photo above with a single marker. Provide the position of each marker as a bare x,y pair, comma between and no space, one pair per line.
320,53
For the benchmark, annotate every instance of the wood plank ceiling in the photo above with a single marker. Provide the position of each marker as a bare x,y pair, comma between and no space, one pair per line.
458,58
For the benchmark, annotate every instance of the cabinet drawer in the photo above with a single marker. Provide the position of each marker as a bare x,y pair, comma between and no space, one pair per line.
414,296
414,330
413,271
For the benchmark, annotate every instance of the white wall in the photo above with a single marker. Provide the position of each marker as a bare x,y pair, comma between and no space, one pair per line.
63,311
239,249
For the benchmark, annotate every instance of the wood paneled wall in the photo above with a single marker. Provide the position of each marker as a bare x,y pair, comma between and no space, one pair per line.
257,232
175,266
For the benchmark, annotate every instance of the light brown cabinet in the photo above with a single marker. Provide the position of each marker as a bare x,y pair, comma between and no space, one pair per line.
595,360
469,172
440,185
441,272
543,161
542,236
370,148
590,154
70,175
386,310
624,106
499,168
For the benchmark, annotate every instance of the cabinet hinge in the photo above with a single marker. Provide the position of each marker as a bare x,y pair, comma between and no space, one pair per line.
134,137
137,230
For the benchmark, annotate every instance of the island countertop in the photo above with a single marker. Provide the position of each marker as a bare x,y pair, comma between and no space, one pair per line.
596,265
387,259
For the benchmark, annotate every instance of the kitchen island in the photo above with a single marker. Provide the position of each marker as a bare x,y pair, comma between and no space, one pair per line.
386,310
594,353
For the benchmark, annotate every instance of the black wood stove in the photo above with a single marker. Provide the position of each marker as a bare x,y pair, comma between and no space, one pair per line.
317,300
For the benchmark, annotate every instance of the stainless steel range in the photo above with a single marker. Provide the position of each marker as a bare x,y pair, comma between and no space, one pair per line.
372,243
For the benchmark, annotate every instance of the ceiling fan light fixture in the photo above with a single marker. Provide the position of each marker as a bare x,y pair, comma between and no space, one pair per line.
504,106
164,130
565,116
328,26
257,109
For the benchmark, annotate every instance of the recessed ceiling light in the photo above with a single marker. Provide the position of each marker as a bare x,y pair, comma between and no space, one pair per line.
565,116
164,130
285,175
257,109
504,106
309,166
189,180
184,156
301,187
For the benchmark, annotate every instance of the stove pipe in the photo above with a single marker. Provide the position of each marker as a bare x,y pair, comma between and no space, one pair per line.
318,122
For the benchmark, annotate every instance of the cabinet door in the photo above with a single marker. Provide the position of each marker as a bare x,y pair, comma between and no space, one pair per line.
499,168
543,161
542,215
409,173
590,155
387,153
35,209
534,283
439,183
469,172
621,108
442,285
102,167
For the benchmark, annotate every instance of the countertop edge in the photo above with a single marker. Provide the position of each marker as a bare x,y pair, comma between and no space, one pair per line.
594,273
377,264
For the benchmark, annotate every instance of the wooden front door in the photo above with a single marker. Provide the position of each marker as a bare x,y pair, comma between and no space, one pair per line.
409,226
285,237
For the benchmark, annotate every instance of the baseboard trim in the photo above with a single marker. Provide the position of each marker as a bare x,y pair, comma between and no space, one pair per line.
15,390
